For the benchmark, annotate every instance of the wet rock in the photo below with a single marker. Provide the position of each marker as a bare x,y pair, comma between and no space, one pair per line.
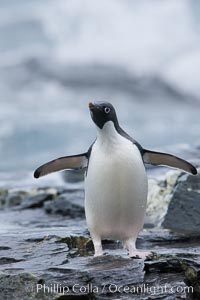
78,245
3,195
183,213
4,248
68,204
8,260
58,251
3,192
37,200
15,198
76,242
27,199
21,286
192,274
101,276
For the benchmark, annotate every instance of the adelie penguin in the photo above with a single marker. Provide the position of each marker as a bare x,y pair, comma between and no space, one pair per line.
115,180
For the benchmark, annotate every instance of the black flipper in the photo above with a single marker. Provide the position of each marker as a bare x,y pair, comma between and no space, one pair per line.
158,158
73,162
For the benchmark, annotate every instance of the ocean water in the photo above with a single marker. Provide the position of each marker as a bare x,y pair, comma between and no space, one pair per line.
56,56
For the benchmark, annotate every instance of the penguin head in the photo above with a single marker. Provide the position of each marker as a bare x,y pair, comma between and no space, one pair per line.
103,112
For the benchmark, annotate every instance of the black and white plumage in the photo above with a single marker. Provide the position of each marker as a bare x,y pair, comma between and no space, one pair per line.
116,181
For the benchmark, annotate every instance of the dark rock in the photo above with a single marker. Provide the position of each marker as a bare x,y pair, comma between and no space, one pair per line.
36,200
3,192
4,248
58,251
192,274
3,195
164,265
63,254
68,204
21,286
184,209
15,198
8,260
78,245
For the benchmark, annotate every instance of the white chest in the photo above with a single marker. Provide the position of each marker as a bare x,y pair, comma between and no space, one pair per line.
115,186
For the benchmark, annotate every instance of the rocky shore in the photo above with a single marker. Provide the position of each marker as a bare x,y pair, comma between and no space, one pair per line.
46,251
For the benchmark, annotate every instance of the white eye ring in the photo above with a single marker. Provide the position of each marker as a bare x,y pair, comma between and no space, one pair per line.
107,110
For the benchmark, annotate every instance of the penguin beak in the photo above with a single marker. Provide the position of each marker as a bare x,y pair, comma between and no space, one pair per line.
91,106
94,107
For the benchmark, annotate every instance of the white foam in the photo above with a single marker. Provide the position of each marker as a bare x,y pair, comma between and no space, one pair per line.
184,73
144,36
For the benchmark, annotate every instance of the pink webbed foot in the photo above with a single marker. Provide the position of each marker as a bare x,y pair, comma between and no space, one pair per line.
134,253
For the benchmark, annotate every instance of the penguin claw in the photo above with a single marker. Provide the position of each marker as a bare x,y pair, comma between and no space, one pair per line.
150,256
141,255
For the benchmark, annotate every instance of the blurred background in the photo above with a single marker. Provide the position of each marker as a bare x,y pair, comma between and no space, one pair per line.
56,56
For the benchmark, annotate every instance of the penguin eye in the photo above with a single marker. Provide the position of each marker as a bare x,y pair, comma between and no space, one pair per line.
107,110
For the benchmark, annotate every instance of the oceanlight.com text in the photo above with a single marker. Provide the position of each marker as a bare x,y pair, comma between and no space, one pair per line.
113,288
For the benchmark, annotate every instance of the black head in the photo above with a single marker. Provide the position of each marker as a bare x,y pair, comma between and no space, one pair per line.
102,112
